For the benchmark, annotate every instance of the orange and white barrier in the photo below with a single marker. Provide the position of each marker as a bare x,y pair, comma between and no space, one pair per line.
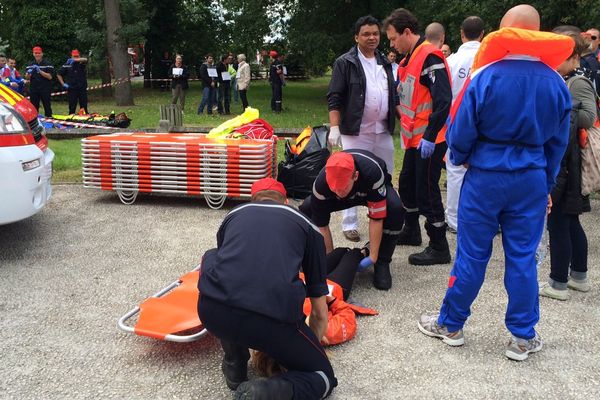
185,164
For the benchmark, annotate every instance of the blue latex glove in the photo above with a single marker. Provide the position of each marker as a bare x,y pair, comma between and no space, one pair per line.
66,85
70,61
29,71
36,68
426,148
364,264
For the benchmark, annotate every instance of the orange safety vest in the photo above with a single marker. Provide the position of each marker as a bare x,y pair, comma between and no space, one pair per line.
415,99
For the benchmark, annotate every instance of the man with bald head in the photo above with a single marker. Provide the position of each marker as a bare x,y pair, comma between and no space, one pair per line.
510,131
435,34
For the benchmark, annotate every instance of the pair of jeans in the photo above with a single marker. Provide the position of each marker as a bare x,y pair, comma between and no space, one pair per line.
208,99
224,97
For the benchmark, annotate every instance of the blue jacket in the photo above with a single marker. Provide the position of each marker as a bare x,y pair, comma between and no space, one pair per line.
514,115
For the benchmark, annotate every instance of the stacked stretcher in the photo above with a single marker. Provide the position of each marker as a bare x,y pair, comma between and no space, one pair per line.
184,164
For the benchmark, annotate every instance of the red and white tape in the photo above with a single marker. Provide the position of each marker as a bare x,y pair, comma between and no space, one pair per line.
113,83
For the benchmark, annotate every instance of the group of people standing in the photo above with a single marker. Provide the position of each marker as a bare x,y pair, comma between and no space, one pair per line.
508,123
40,73
218,81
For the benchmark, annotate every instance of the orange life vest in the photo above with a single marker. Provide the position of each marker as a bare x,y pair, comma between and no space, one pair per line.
341,316
550,48
415,99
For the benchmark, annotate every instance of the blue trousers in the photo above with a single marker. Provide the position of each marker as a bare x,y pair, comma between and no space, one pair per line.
516,201
208,99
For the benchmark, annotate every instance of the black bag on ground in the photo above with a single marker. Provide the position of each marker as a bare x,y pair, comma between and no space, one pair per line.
299,171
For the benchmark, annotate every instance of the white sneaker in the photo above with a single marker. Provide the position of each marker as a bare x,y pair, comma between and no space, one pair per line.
548,291
582,285
519,349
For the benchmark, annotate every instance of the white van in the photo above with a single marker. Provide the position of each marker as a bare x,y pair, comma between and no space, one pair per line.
25,168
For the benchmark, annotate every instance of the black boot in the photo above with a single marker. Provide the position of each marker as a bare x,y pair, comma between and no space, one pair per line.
437,252
410,235
265,389
234,364
382,278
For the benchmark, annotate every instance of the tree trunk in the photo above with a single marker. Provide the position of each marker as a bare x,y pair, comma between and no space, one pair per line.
117,51
105,76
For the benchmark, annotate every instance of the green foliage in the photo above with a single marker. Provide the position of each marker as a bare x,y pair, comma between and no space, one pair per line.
320,31
245,24
44,23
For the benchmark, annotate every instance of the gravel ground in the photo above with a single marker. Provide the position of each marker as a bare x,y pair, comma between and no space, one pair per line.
68,273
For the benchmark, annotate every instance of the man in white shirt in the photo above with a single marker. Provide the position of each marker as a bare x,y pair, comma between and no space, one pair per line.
471,34
362,101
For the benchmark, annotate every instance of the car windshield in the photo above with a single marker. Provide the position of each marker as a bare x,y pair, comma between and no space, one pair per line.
11,121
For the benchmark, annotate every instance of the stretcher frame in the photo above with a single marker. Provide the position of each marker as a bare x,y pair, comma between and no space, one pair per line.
121,323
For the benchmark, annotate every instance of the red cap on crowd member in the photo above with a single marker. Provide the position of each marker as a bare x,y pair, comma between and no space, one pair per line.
74,53
272,53
267,184
339,170
37,49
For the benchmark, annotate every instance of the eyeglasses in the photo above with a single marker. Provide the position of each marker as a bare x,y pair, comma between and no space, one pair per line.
594,37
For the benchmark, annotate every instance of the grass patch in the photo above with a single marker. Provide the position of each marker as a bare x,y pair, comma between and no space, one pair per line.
304,104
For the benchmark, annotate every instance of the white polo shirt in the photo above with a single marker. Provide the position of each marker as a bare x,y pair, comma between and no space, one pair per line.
375,113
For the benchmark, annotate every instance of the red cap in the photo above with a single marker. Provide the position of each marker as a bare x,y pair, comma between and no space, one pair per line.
272,53
74,53
37,49
339,170
267,184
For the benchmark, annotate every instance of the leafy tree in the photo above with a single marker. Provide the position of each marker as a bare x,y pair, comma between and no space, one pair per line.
320,31
44,23
246,24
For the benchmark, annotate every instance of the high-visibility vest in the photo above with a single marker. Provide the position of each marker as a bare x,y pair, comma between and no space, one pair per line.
415,99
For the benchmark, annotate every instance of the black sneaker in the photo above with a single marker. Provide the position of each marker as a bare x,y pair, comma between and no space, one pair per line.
430,256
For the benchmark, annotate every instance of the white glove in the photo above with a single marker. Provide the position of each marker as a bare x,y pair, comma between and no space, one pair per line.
334,136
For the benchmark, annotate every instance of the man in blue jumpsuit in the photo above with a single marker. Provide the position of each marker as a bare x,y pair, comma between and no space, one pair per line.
511,131
359,178
251,296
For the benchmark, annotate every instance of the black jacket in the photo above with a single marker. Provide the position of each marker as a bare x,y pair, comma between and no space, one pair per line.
347,91
179,79
74,74
206,80
566,195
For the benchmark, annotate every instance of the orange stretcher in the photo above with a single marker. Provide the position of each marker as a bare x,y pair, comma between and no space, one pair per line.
171,314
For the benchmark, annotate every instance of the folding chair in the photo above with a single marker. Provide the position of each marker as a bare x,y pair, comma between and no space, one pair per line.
171,314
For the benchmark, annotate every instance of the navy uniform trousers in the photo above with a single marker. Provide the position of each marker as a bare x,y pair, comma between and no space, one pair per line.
293,346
